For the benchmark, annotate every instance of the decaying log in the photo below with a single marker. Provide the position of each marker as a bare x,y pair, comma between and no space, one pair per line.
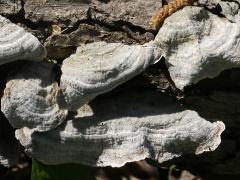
135,121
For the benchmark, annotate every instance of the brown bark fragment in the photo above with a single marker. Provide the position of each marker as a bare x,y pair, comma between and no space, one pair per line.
137,12
9,7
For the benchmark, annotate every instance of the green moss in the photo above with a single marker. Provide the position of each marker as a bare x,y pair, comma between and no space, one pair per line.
60,172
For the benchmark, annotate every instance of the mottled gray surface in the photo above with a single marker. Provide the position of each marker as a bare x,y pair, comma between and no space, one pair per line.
100,67
17,44
130,127
198,44
31,98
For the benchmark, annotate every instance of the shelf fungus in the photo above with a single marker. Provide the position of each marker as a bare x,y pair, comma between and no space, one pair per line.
99,67
198,44
131,127
17,44
9,146
31,98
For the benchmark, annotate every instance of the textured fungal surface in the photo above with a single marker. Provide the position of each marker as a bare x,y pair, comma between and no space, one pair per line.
30,98
103,97
130,127
99,67
17,44
167,10
198,44
9,147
